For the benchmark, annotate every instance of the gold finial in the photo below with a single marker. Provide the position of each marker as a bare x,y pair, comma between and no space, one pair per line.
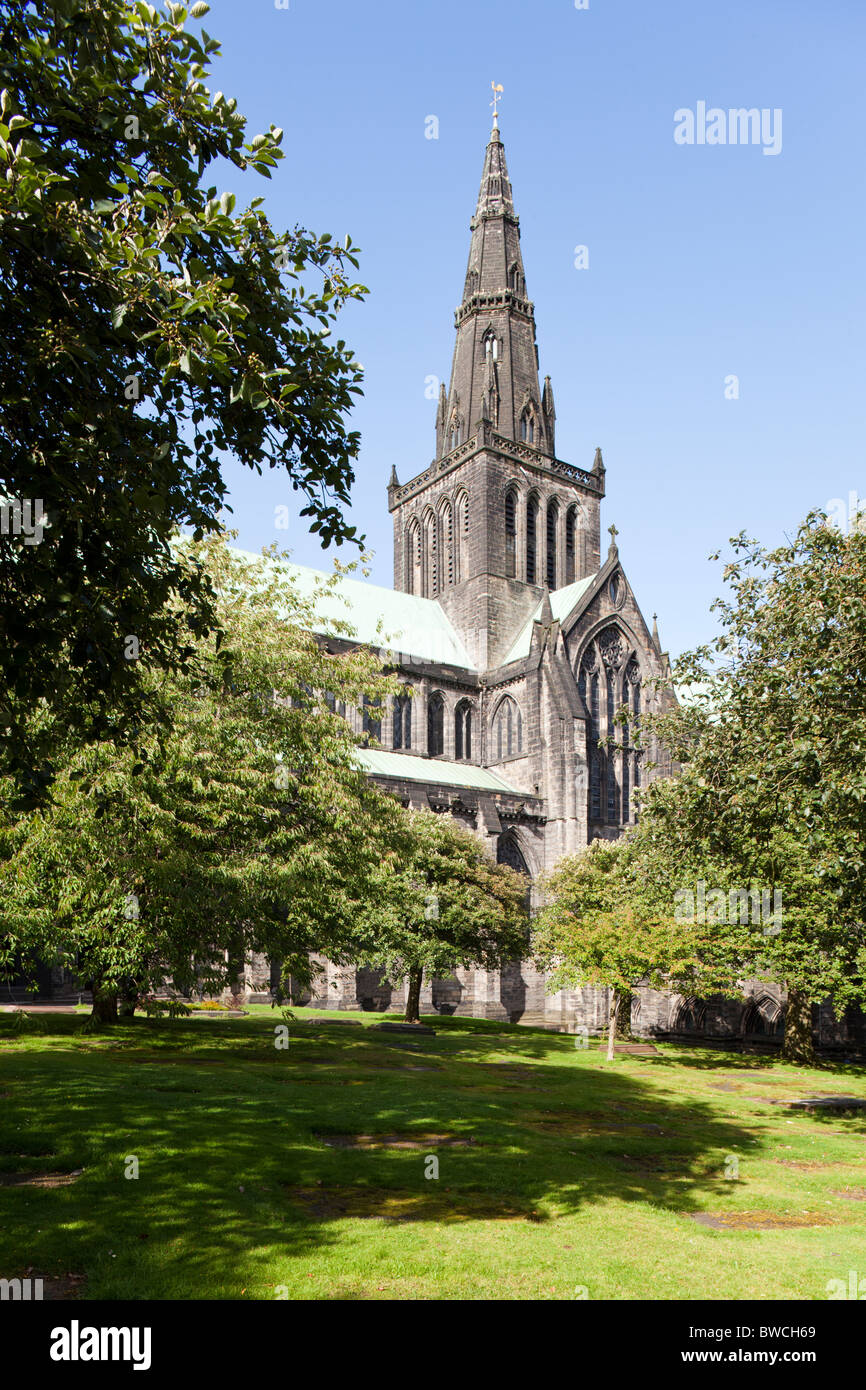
496,88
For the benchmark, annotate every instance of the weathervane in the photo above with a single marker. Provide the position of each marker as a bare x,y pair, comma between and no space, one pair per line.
497,93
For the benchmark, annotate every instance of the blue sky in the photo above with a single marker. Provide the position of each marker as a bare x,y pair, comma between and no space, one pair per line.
704,261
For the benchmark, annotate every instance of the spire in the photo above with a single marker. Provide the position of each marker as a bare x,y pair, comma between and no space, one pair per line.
393,481
656,639
495,354
545,617
598,462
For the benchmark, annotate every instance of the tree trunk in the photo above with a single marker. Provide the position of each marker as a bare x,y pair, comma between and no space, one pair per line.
104,1005
128,999
413,995
798,1045
623,1018
611,1023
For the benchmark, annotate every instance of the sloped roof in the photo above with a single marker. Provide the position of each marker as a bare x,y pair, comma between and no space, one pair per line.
562,601
379,617
433,770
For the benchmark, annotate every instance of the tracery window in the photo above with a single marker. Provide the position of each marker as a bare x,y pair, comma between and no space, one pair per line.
463,731
402,722
588,687
609,674
435,725
612,731
507,729
371,720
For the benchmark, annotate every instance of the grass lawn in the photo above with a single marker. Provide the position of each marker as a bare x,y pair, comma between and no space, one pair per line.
262,1171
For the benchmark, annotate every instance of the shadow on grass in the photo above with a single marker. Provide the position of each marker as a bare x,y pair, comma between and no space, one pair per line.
235,1171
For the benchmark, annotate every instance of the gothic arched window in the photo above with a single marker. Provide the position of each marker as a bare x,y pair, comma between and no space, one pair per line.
552,527
463,731
414,569
431,557
633,674
507,729
626,756
612,788
527,427
454,431
435,725
491,346
402,722
446,544
570,544
461,537
371,720
510,534
508,852
588,687
532,541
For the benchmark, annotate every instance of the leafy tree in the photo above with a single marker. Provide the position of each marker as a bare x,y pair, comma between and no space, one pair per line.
440,901
772,792
609,922
249,827
148,328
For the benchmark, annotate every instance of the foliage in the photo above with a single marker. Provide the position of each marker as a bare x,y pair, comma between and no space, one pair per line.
148,328
440,901
773,787
248,828
608,921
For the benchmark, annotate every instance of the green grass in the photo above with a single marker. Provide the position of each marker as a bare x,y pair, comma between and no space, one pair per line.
580,1173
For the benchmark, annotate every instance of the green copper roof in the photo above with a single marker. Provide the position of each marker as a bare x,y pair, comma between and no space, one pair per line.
397,622
562,601
432,770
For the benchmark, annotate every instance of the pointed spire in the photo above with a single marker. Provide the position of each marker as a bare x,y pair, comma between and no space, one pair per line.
656,640
495,321
494,196
393,481
545,617
598,462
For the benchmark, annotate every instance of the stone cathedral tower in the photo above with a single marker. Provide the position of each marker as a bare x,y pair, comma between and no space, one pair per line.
533,521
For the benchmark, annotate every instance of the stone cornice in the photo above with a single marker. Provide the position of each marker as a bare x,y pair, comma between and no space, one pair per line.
500,299
487,439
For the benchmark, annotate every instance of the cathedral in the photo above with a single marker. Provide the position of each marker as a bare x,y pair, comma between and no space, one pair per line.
518,639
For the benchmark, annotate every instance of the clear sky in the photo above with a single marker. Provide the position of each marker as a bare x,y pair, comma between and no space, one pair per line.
705,261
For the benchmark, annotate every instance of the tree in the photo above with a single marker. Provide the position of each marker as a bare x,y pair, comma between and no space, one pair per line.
147,329
772,794
248,827
608,921
440,901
